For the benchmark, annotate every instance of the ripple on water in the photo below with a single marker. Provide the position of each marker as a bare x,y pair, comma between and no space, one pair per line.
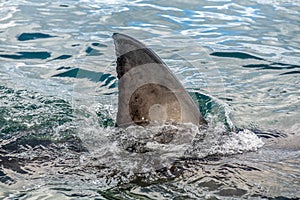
27,55
7,12
33,36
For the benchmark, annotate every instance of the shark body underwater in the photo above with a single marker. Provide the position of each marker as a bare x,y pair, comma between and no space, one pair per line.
148,91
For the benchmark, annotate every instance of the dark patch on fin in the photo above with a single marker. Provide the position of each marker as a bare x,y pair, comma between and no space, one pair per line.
129,51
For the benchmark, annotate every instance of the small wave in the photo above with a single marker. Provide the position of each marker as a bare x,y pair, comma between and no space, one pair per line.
145,149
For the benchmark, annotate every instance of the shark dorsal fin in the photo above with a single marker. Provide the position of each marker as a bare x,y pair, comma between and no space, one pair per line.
148,90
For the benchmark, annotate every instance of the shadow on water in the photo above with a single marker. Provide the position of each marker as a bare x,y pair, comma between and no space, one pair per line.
33,36
62,57
90,51
27,55
291,72
104,78
263,66
239,55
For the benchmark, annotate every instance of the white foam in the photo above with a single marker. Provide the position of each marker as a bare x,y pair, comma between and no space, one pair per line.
219,142
139,149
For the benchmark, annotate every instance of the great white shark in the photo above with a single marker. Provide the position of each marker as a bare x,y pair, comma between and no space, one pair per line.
148,91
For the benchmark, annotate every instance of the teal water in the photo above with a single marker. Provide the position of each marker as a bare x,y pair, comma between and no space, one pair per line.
238,59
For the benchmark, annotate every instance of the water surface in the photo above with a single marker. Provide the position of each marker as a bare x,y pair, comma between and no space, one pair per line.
59,92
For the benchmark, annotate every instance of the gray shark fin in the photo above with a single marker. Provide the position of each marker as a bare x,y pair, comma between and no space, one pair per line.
148,91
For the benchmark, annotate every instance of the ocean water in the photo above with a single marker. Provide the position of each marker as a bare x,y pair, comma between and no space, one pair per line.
240,61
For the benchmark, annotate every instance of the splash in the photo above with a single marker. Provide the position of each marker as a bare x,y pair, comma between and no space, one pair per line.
137,149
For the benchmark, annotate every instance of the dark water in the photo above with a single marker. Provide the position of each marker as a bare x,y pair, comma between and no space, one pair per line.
238,59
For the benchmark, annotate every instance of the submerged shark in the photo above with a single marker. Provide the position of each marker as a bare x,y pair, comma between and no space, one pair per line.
148,91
